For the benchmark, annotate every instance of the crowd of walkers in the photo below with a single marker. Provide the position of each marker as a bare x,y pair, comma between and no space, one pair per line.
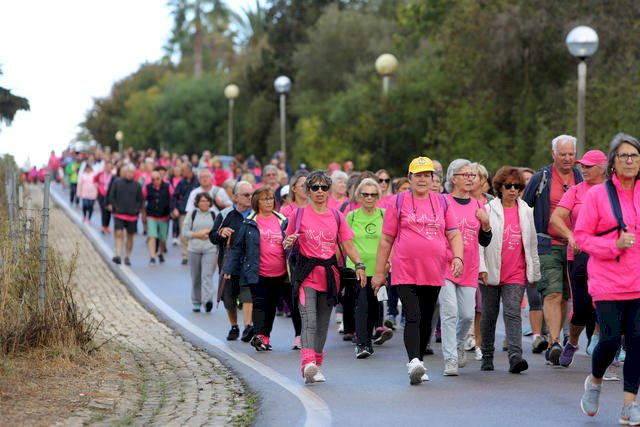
451,246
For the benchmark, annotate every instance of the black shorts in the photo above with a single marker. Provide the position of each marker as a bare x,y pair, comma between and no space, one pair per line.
130,226
233,292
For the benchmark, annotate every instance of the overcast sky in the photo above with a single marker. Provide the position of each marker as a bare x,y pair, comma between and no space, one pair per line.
62,54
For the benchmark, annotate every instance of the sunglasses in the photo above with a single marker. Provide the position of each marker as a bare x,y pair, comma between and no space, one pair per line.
319,187
369,195
381,180
509,186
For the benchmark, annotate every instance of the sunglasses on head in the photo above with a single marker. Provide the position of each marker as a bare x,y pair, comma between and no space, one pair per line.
317,187
381,180
509,186
369,194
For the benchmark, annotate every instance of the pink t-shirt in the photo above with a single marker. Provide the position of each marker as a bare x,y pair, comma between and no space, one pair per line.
572,201
555,195
420,247
469,227
513,268
317,239
289,211
384,201
333,203
272,259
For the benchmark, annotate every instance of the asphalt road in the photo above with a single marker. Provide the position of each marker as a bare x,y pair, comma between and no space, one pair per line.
374,391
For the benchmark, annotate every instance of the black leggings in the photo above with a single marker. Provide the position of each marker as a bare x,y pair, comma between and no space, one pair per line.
367,313
617,318
348,301
582,311
418,303
265,296
106,215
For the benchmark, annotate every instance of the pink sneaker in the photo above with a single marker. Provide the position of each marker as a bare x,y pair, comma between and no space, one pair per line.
297,343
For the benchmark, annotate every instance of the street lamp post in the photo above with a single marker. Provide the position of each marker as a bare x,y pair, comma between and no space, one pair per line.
386,65
231,92
582,42
283,85
119,138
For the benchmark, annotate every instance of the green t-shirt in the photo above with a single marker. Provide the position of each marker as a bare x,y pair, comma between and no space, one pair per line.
367,230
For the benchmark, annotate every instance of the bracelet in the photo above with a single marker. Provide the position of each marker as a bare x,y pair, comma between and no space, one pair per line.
360,266
459,259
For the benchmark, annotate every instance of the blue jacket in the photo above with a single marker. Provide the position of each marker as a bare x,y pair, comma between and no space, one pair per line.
244,257
537,194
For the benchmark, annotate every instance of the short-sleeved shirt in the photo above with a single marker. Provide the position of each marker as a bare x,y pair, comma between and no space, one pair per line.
272,259
513,267
555,195
420,246
318,238
572,201
367,229
469,226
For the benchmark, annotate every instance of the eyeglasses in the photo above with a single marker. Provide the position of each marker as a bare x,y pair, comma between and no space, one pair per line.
319,187
246,195
267,199
369,195
509,186
381,180
466,175
625,157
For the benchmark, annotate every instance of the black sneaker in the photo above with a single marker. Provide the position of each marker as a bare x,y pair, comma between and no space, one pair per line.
258,344
208,306
117,260
539,344
487,364
234,333
362,352
152,261
517,364
185,261
161,258
428,351
554,353
247,334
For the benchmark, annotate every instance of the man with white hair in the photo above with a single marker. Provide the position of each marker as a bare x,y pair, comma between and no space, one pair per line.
543,193
220,198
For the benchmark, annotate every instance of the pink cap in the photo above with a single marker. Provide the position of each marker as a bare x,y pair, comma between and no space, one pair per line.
592,158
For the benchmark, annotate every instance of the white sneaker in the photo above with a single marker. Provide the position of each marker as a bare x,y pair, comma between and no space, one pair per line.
451,368
310,372
478,355
416,371
462,358
425,378
469,343
319,378
175,241
341,328
338,317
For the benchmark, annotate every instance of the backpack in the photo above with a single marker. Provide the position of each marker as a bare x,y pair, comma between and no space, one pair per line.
193,216
400,201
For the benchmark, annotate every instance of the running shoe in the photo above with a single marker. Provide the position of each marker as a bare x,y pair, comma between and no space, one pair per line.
247,333
554,354
258,342
505,345
152,261
390,322
208,306
622,355
451,368
234,333
470,343
385,335
487,364
416,370
319,378
478,354
309,372
362,352
117,260
593,343
347,337
517,364
611,374
527,332
425,377
297,343
539,344
175,241
127,261
566,357
185,261
630,414
590,402
341,327
462,358
428,351
160,258
196,308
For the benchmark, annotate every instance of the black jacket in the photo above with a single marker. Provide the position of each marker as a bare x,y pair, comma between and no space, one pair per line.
158,200
125,196
228,217
181,194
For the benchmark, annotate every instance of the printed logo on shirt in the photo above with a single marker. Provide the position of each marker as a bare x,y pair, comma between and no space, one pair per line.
469,231
323,241
428,227
370,228
273,239
512,238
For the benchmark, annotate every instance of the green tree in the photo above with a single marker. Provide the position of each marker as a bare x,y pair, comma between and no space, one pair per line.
10,104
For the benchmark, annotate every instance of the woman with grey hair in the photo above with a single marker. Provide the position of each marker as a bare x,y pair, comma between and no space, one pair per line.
458,295
366,224
317,230
338,195
607,232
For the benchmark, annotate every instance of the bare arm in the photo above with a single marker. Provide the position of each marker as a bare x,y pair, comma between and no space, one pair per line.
354,256
457,247
384,249
557,220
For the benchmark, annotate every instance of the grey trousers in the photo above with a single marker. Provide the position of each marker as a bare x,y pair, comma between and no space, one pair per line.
315,314
202,267
511,295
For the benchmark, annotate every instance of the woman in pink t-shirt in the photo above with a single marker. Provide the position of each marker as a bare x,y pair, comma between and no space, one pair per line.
257,256
458,295
419,226
593,165
317,231
506,264
338,195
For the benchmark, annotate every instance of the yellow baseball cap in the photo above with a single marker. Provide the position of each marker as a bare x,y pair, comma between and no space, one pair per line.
421,164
